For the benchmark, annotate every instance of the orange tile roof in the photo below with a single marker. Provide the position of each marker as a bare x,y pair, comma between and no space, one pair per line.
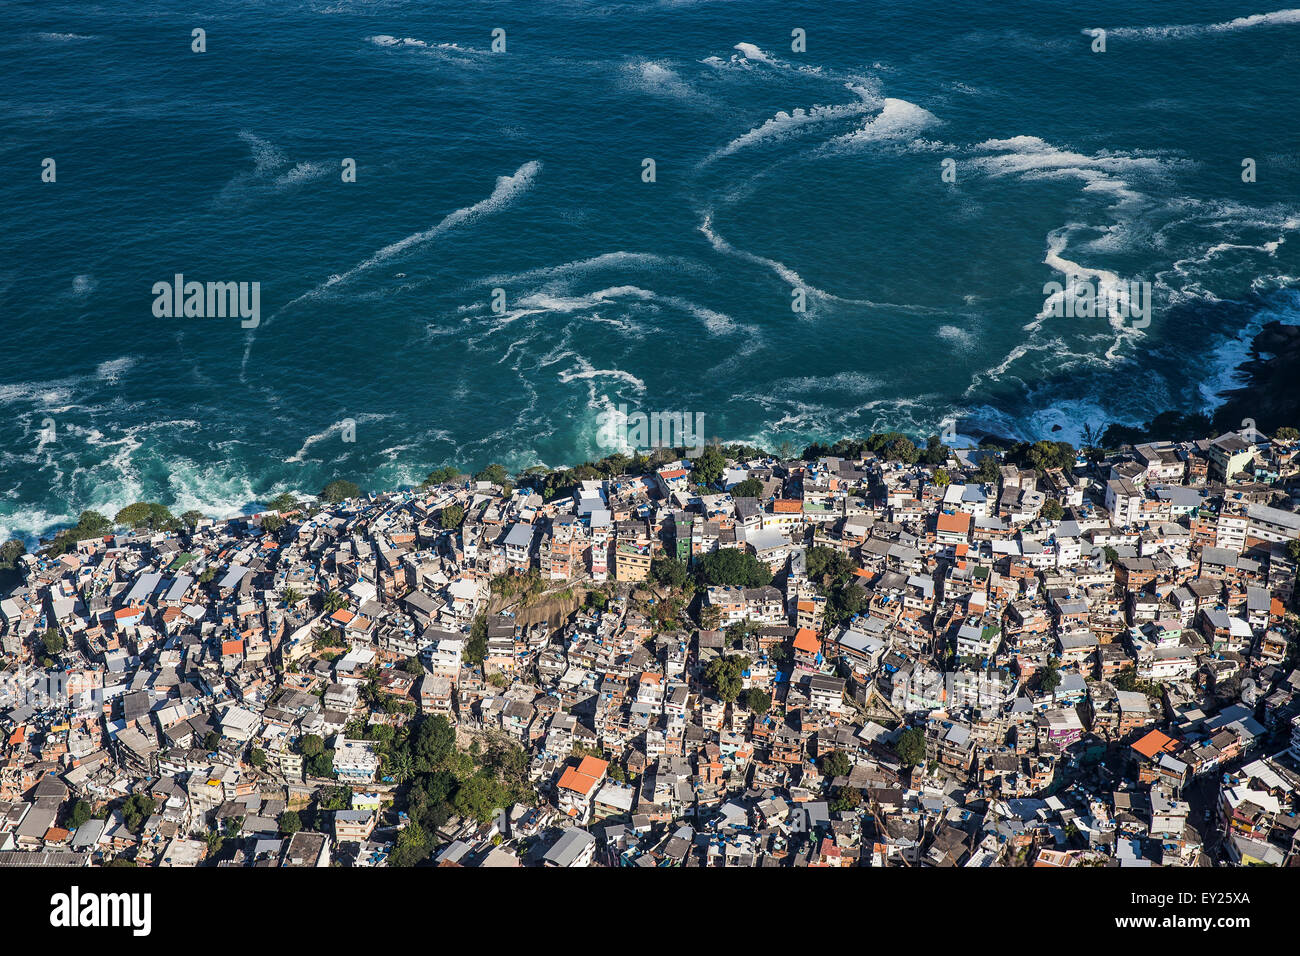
593,767
956,521
805,640
232,647
805,606
127,612
343,616
1155,743
787,506
675,473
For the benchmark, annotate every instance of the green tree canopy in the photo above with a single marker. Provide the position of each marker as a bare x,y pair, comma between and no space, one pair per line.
911,746
734,568
340,490
452,517
669,571
725,675
708,468
749,488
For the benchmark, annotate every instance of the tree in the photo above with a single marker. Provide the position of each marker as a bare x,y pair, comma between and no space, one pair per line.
942,478
399,766
257,758
440,476
149,515
311,745
1052,510
669,572
340,490
759,702
53,642
10,552
272,523
476,646
1049,678
935,453
846,799
725,675
81,812
192,519
432,743
1112,556
749,488
452,517
413,846
836,764
1293,550
211,740
1286,433
911,746
290,596
708,468
987,472
289,823
284,502
334,601
496,474
136,810
734,568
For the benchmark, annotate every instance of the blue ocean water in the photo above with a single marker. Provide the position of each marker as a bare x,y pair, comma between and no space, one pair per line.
775,168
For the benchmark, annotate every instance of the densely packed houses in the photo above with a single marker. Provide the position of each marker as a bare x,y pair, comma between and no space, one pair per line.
866,659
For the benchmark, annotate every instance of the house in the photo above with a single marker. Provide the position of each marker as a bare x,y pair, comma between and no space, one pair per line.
574,848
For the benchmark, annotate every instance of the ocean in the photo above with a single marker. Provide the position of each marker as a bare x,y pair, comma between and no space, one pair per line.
914,173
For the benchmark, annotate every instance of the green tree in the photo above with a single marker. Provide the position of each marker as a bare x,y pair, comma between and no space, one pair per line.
257,758
334,601
1286,433
911,746
289,823
192,519
708,468
311,745
725,676
942,478
272,523
758,701
149,515
53,642
136,810
836,764
211,740
413,846
10,552
669,572
1049,678
81,812
846,800
476,646
452,517
496,474
340,490
1052,510
284,502
749,488
734,568
440,476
